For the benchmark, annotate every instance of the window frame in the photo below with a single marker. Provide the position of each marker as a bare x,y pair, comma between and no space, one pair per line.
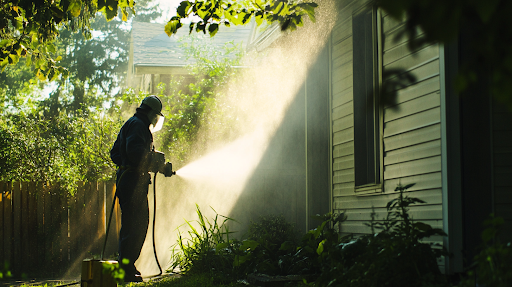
377,185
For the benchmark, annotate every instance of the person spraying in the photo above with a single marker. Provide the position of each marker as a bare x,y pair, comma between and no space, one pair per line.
133,153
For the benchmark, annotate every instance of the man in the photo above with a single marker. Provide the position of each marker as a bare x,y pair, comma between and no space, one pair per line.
132,153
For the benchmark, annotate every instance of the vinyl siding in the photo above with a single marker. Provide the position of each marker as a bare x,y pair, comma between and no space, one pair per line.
411,134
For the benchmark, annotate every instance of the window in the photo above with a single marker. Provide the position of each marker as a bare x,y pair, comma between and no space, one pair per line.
367,143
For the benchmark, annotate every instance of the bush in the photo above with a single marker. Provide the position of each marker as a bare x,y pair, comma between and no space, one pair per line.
271,233
491,267
396,256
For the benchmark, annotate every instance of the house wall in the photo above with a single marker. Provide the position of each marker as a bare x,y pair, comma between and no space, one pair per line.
292,178
411,136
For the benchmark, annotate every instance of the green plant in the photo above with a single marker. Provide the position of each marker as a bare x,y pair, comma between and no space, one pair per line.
395,256
315,251
268,234
208,248
5,273
115,270
190,104
491,267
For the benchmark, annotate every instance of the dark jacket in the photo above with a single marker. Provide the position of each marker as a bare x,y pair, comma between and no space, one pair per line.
134,143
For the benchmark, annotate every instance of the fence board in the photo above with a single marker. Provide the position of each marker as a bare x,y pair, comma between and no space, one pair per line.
43,229
63,230
48,227
113,232
25,232
72,225
32,226
95,213
100,215
117,213
80,221
88,219
2,238
41,242
8,223
16,207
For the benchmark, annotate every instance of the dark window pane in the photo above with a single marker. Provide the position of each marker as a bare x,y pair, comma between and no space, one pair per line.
364,107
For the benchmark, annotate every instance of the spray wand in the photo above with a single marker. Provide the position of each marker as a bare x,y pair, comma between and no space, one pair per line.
158,165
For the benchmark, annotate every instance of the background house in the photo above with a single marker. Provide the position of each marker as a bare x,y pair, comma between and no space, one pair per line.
154,56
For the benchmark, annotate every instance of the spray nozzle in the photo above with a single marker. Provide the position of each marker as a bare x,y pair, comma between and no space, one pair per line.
158,164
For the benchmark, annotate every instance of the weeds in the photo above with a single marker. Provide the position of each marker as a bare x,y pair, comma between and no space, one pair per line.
208,249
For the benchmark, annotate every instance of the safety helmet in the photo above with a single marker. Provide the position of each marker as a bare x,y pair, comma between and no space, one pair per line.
154,103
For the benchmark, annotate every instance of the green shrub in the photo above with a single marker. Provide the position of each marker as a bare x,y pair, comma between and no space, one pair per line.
491,267
395,256
270,232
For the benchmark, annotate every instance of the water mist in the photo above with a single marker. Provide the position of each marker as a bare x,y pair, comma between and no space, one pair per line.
259,100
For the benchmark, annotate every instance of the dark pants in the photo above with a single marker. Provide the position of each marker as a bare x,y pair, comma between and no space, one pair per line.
132,190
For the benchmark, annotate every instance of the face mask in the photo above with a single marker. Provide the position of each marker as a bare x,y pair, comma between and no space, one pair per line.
158,125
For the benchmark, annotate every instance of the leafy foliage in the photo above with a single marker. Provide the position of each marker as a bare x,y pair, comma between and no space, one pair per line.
66,137
59,149
5,273
114,270
491,266
273,234
213,14
212,249
208,249
28,30
395,256
190,102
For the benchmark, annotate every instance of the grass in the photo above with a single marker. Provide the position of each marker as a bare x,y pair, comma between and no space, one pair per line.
202,279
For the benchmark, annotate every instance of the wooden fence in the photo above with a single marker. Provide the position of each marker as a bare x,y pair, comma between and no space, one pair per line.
46,232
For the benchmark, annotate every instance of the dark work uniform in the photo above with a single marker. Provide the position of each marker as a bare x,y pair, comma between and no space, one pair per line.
131,153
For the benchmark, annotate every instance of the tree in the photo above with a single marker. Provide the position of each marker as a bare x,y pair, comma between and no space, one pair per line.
426,21
28,29
67,137
212,14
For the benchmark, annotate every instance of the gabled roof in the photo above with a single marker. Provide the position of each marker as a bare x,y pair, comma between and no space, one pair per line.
152,46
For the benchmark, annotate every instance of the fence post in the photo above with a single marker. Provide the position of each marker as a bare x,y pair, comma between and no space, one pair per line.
2,217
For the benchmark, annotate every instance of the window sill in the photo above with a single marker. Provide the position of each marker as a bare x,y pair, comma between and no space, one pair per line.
368,189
